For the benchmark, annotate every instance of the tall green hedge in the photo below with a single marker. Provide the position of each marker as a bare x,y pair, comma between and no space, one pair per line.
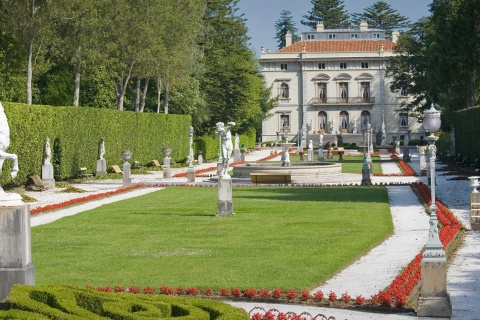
467,134
210,145
79,130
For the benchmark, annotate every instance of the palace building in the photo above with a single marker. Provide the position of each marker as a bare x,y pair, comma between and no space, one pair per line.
333,82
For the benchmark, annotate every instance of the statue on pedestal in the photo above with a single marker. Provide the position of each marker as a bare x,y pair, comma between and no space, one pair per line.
101,152
47,153
225,145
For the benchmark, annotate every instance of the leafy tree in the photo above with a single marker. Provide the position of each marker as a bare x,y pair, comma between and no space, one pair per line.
331,12
231,84
380,15
284,25
439,58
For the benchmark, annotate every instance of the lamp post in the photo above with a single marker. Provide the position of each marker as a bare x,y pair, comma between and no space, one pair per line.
434,299
191,169
369,141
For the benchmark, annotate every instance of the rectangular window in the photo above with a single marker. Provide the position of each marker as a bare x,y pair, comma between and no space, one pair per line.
322,92
332,36
283,66
310,36
353,35
403,92
343,65
376,36
284,123
403,120
364,65
343,92
321,65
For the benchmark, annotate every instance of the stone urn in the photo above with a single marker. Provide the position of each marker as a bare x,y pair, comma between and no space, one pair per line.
474,183
167,151
126,155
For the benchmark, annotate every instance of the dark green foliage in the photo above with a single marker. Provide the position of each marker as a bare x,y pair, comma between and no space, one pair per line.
79,131
285,24
57,158
71,303
381,16
331,12
467,134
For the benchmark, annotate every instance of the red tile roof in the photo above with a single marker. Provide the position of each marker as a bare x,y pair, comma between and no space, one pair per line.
339,46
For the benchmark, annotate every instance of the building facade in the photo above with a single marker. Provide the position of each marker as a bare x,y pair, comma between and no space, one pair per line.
333,82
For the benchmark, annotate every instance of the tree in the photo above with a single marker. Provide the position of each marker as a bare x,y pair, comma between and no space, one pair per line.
284,25
27,24
331,12
380,15
439,58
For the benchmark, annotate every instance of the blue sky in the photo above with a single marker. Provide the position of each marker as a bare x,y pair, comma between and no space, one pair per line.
261,15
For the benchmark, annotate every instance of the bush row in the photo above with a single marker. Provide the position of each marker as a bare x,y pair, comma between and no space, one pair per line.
77,132
467,134
66,302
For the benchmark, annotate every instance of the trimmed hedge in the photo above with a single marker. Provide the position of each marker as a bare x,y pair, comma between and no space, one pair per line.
210,145
66,302
467,134
77,133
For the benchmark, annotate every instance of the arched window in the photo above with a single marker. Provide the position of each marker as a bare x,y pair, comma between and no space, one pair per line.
323,122
344,122
365,119
343,92
284,92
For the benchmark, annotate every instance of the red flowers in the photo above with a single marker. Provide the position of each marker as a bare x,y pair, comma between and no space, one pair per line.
83,199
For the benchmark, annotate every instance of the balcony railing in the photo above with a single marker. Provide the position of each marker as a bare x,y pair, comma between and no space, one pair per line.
339,100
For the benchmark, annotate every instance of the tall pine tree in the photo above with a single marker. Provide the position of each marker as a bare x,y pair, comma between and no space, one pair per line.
380,15
284,25
331,12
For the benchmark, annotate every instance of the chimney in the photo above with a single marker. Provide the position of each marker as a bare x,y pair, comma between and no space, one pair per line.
320,26
395,35
288,39
363,25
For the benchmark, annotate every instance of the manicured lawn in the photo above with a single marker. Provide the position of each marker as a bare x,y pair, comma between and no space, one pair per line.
350,164
287,237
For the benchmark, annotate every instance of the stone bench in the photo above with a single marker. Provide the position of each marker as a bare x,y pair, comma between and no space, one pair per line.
270,177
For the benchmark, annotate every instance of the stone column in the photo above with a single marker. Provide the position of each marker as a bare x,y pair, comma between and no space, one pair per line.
167,172
47,176
101,167
127,180
475,209
225,202
15,244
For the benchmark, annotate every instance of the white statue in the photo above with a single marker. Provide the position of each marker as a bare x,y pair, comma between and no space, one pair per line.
47,154
101,153
5,143
226,145
310,145
320,142
237,142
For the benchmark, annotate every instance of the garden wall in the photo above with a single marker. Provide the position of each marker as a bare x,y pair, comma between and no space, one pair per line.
79,130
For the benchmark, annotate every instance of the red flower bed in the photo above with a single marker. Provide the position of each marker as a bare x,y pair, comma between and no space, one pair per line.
406,170
83,199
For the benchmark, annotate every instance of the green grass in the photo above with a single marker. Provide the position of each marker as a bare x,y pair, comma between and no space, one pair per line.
288,237
350,164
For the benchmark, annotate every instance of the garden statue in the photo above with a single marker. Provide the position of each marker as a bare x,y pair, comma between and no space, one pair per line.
5,143
237,141
101,153
47,153
226,145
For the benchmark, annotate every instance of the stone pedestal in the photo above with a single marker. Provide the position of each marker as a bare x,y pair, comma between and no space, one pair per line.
47,176
236,155
101,167
320,154
434,299
15,245
191,174
406,154
167,172
127,180
225,203
475,211
310,155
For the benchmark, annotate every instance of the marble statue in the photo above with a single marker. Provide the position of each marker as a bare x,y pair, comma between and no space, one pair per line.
310,145
101,153
226,145
5,143
47,153
320,141
237,141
